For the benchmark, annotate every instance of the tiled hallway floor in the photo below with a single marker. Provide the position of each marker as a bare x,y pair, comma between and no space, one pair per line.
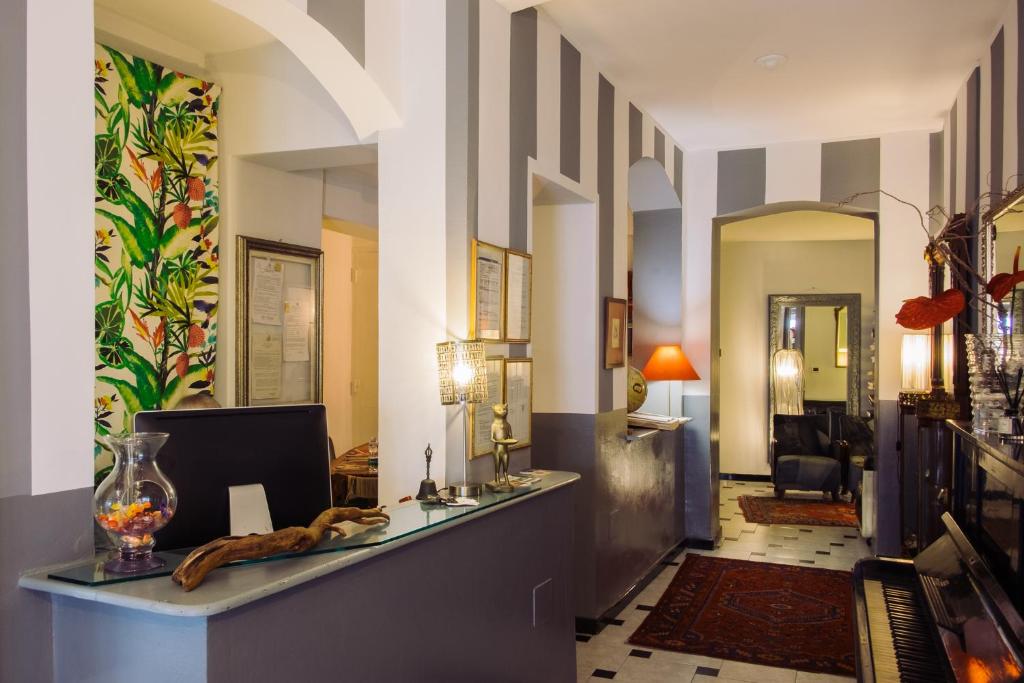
607,656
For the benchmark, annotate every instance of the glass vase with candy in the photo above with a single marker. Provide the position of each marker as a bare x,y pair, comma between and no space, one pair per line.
135,501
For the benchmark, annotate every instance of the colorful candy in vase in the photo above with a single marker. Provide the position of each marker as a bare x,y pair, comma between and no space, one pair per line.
134,502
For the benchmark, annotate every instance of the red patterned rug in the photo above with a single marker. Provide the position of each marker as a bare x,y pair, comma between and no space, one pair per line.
808,512
771,614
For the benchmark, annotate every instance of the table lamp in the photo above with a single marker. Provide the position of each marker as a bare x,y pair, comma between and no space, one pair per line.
669,363
462,374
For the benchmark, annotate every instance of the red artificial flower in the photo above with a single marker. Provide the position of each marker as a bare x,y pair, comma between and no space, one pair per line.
196,188
196,336
1002,284
922,313
181,365
182,215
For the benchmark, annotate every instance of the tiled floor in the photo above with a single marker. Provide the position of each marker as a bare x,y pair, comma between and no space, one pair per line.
608,656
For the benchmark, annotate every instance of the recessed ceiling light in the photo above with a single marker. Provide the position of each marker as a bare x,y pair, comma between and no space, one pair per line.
771,61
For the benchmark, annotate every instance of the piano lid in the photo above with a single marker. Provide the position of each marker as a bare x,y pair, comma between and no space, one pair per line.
978,625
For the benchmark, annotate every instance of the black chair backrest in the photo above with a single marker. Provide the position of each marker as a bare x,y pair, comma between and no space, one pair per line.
800,434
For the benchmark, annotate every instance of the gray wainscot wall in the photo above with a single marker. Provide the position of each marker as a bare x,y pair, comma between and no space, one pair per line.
629,502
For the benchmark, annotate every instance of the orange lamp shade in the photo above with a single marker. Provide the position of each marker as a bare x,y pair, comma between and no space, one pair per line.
669,362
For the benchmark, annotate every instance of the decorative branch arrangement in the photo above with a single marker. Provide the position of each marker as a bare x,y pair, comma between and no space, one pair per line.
924,312
296,539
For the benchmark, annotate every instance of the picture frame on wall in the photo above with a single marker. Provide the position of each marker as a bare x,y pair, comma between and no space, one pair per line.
482,414
519,397
614,333
518,296
279,323
487,295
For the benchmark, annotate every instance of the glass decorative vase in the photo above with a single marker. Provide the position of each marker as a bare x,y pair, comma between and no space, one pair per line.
135,501
995,365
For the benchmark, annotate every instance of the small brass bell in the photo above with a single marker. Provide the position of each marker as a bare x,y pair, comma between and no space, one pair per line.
428,489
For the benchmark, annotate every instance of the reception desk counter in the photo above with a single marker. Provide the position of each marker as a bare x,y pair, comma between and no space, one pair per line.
483,595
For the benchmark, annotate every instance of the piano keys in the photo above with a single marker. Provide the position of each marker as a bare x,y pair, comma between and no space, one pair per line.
940,617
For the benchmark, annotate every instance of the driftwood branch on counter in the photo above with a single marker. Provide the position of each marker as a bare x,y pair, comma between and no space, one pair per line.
296,539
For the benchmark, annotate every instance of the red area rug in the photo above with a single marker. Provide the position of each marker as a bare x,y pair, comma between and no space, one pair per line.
808,512
771,614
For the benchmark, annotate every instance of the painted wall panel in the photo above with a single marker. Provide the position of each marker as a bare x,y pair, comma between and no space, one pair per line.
793,171
549,83
493,184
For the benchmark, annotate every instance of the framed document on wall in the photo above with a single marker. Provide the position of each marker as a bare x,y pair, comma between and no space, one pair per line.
279,323
518,296
519,397
482,414
486,300
614,333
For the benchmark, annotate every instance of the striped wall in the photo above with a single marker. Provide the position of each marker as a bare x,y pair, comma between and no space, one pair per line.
544,108
983,147
529,103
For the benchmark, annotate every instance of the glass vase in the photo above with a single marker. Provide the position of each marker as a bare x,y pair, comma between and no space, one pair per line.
135,501
995,365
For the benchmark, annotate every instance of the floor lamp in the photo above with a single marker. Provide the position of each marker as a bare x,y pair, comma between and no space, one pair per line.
669,363
462,375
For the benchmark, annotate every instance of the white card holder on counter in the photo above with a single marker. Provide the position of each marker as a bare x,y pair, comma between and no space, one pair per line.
248,510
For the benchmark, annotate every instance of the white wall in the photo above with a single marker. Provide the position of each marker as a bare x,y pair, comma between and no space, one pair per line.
59,175
751,271
412,238
350,196
565,333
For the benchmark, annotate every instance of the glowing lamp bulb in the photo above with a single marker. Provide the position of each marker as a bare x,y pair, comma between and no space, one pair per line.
462,375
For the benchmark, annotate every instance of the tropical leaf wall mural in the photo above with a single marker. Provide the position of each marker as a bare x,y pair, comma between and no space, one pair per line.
157,210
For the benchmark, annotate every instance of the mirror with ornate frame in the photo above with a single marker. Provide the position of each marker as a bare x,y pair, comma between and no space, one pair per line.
795,321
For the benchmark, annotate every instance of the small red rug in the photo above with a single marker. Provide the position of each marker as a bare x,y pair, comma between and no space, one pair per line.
808,512
771,614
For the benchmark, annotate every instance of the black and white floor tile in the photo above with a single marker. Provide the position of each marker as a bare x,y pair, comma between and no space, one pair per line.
607,656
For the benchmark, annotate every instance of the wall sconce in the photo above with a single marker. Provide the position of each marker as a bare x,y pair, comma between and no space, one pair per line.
462,377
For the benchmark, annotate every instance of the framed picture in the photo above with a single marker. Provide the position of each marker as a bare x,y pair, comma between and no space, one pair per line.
482,414
486,300
519,397
614,333
518,296
279,323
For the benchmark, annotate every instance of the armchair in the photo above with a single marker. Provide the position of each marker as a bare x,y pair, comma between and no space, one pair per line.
803,457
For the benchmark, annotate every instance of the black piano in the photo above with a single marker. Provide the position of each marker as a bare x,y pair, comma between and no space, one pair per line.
939,617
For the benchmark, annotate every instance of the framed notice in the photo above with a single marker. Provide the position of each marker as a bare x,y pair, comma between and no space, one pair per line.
486,301
614,333
482,414
279,323
519,397
518,296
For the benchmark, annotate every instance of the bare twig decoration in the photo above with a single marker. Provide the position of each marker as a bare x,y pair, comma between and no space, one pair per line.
296,539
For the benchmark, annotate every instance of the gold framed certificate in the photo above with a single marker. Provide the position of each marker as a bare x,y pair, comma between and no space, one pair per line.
486,301
518,296
519,397
482,414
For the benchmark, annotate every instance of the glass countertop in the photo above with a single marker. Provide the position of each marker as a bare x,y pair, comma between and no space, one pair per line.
406,519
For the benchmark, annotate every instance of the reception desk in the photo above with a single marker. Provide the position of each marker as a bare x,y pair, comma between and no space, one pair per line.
482,596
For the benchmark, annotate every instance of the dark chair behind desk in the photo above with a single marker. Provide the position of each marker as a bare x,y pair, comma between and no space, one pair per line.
803,456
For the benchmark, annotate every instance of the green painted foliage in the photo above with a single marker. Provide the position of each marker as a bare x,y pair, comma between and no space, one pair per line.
156,253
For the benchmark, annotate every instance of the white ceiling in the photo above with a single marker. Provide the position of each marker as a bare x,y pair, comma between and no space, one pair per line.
855,67
799,226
